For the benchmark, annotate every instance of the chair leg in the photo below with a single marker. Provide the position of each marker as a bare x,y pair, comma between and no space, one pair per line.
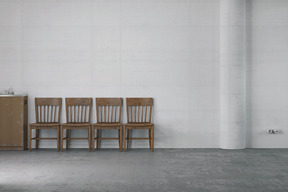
124,137
119,138
93,138
37,140
97,138
67,140
61,136
30,138
128,136
152,135
150,138
58,138
89,138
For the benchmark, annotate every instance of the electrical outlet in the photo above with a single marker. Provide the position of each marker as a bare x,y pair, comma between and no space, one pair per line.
273,131
276,131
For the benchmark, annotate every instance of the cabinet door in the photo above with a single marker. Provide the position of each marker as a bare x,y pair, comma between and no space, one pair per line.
11,121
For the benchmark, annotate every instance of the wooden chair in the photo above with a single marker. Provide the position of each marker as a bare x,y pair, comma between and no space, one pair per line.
48,113
139,111
108,111
78,114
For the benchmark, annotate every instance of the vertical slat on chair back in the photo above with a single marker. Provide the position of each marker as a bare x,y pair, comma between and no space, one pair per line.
48,110
139,110
78,110
108,110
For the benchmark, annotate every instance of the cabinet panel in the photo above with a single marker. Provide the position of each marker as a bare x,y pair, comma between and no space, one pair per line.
13,123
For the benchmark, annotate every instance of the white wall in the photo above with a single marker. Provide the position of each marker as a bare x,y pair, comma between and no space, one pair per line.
267,51
165,49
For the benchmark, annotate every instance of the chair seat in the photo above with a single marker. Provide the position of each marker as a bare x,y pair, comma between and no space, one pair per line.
138,124
75,124
44,124
107,124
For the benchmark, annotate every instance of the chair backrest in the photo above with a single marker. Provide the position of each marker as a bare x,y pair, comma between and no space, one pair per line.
139,110
48,110
108,110
78,110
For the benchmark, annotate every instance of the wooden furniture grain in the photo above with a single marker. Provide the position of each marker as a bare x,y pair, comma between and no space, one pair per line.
108,111
48,114
139,111
13,122
78,114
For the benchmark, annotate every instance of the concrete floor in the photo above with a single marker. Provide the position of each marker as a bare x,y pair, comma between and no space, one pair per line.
197,170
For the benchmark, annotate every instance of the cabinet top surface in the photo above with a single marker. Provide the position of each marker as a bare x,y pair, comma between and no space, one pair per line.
13,95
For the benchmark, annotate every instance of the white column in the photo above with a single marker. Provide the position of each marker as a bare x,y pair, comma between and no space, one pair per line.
232,74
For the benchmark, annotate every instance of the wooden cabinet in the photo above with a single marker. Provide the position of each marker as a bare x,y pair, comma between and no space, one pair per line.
13,122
